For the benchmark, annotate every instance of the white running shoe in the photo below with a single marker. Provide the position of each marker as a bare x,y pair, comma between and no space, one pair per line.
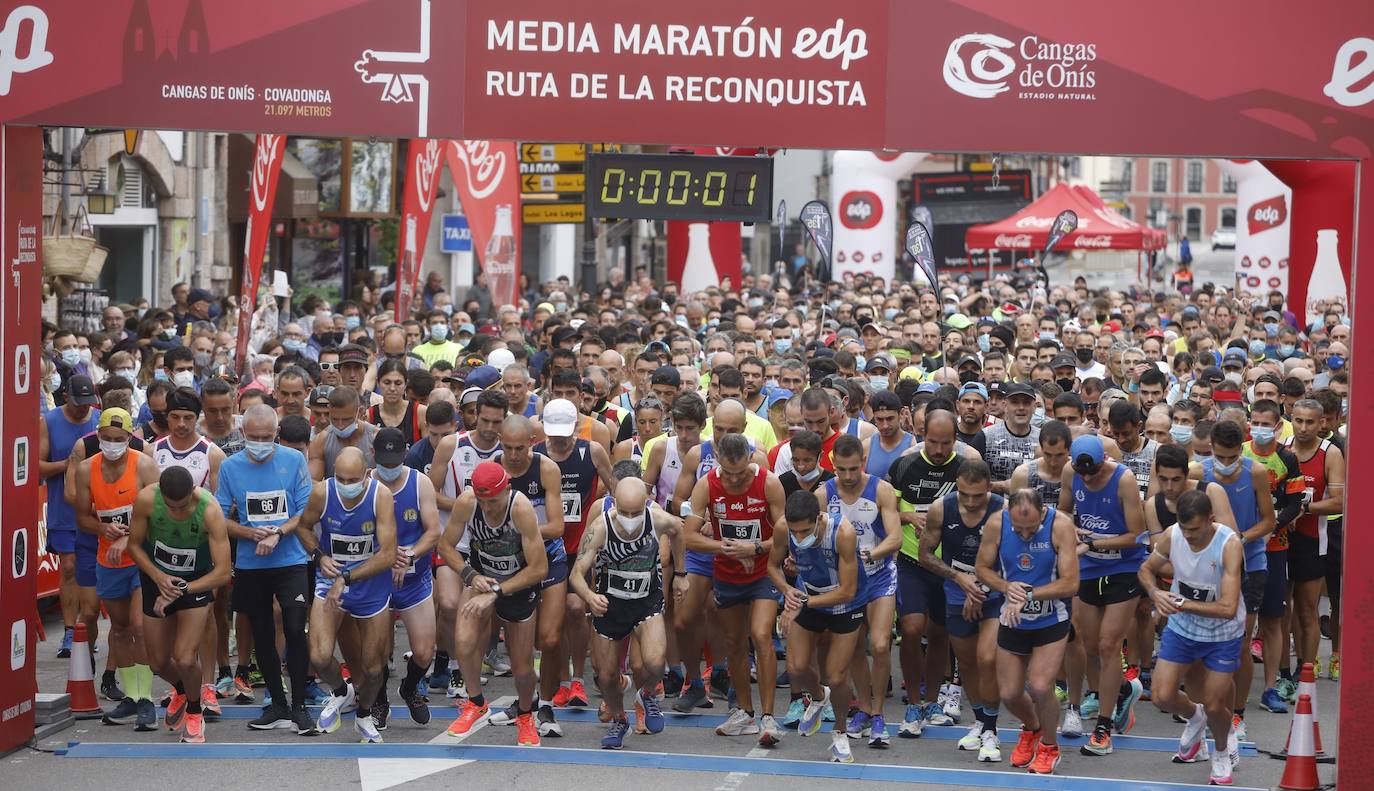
331,716
990,748
1221,770
954,699
367,730
1193,742
738,723
912,723
839,748
972,740
1233,748
1073,724
812,717
770,732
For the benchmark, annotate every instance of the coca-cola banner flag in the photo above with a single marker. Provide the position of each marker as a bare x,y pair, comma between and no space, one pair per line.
815,217
267,159
1321,234
703,254
1064,224
423,164
487,175
922,249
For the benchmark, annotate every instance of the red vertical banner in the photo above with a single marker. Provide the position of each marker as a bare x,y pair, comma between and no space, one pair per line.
703,254
424,161
20,369
487,175
266,168
1321,232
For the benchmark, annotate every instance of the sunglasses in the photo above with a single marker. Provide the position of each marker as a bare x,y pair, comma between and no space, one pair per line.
329,366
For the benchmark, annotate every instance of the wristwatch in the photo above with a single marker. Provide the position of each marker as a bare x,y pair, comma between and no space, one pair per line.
1092,545
347,577
496,588
805,599
679,574
758,548
1030,594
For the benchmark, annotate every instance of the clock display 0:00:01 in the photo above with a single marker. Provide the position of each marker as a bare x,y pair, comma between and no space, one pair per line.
649,187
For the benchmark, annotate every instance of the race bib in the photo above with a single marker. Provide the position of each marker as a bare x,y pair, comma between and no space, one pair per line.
815,590
116,516
266,506
1034,608
572,506
628,584
958,565
1102,554
741,529
1198,592
350,549
174,559
500,565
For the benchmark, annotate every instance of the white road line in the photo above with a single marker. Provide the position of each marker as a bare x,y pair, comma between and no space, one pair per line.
734,780
378,774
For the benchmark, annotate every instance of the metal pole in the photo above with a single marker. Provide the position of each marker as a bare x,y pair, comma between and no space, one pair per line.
66,211
588,252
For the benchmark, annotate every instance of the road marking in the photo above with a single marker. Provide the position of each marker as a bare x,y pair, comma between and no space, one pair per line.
613,759
378,774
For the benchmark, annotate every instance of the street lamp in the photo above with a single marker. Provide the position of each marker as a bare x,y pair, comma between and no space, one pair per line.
100,200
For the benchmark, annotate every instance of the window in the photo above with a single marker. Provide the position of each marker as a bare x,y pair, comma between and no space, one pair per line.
1158,217
1193,223
1228,217
1159,177
1195,176
1076,167
1228,184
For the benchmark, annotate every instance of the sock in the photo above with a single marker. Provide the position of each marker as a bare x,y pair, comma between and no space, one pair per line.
412,678
180,688
145,682
1240,712
193,707
989,718
978,711
478,700
798,695
440,661
128,681
1104,723
1285,673
695,681
224,671
341,690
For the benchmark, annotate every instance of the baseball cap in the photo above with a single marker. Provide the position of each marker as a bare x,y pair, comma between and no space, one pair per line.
967,359
483,376
780,394
958,321
547,307
847,333
928,387
116,417
500,358
466,329
490,479
469,396
900,353
976,388
1063,361
1086,453
81,391
352,354
560,418
320,395
883,361
1272,314
1234,356
389,447
1018,389
563,334
666,375
199,295
1154,332
1211,374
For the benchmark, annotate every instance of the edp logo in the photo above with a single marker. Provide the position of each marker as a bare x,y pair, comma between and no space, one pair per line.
36,55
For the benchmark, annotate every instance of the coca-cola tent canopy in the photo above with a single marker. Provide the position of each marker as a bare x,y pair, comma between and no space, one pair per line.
1099,226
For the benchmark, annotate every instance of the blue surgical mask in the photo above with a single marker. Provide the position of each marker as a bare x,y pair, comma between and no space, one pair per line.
438,332
1335,362
804,543
447,309
1262,435
949,310
71,357
161,375
810,476
390,474
1225,470
352,322
1257,348
889,314
1038,419
984,343
1046,336
859,362
1272,330
293,345
770,384
55,381
1287,349
782,346
879,382
1198,458
349,490
259,451
344,433
756,302
1181,434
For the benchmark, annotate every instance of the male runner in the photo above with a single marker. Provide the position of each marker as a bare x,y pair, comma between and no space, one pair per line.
1031,558
345,430
883,448
179,541
1045,473
1323,470
1014,441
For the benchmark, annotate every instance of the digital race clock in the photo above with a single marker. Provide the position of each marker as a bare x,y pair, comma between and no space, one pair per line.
680,187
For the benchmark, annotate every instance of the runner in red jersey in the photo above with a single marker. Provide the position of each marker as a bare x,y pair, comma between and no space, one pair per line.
742,503
1323,468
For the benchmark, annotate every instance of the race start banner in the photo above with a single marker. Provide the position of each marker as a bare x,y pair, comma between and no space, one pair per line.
487,176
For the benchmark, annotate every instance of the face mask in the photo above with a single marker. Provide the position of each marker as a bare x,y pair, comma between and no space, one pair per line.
1272,330
967,376
1038,419
1225,470
447,309
55,381
344,433
805,543
259,451
984,343
1286,350
438,333
1234,377
1345,406
114,451
294,346
169,333
1257,348
810,476
389,474
1046,336
352,322
1335,362
349,490
1250,394
71,357
1262,435
859,362
559,307
879,382
770,384
1084,356
184,379
202,360
1181,434
782,346
630,524
948,310
125,373
802,309
1198,458
159,417
85,355
161,376
265,380
1065,384
756,302
889,314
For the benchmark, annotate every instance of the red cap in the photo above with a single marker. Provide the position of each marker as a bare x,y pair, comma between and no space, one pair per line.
490,479
1155,332
1112,326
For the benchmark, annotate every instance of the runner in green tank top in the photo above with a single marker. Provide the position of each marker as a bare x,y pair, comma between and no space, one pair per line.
179,541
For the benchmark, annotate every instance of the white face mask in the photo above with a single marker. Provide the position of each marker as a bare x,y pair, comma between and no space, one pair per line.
114,451
184,379
629,524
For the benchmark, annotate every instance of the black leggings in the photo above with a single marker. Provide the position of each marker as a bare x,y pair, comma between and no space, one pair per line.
254,591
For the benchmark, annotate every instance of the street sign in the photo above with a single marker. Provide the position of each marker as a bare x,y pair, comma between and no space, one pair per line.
551,168
554,212
554,152
566,182
457,236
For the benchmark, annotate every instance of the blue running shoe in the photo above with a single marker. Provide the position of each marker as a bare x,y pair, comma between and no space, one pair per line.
1089,706
858,725
653,715
1124,718
615,735
1272,702
314,696
720,682
935,715
877,732
912,722
794,713
65,651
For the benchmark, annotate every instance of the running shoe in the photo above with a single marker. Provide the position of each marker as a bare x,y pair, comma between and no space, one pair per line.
973,739
224,685
505,716
418,706
315,695
954,698
526,732
770,732
1100,743
468,717
456,688
935,715
839,748
381,712
545,721
615,735
1221,770
273,716
1194,739
65,650
209,702
1073,723
1238,728
1124,718
1257,650
195,729
783,681
1233,748
439,677
1061,695
859,725
331,717
827,713
911,723
301,723
367,730
1024,751
109,687
810,723
795,709
1333,669
577,694
1147,678
1287,689
692,697
147,716
672,682
562,696
1088,708
990,748
1047,759
720,682
653,715
175,716
739,723
243,691
1324,624
500,663
123,714
877,732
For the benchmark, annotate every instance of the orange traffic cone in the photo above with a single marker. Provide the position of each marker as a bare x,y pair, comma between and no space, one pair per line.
1300,770
81,677
1307,685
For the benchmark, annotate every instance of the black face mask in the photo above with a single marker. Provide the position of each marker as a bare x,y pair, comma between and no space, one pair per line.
1065,384
1085,356
159,418
967,376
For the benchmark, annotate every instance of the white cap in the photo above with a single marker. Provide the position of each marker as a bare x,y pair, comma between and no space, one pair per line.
500,358
560,418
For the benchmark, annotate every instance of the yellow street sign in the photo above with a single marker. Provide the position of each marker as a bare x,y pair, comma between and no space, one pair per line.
566,182
553,212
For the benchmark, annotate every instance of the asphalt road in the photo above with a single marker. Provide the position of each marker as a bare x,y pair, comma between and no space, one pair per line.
687,755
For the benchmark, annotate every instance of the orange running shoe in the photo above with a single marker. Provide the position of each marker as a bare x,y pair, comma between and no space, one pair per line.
209,701
1046,759
577,695
561,697
639,717
195,729
176,712
1024,752
527,735
468,717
